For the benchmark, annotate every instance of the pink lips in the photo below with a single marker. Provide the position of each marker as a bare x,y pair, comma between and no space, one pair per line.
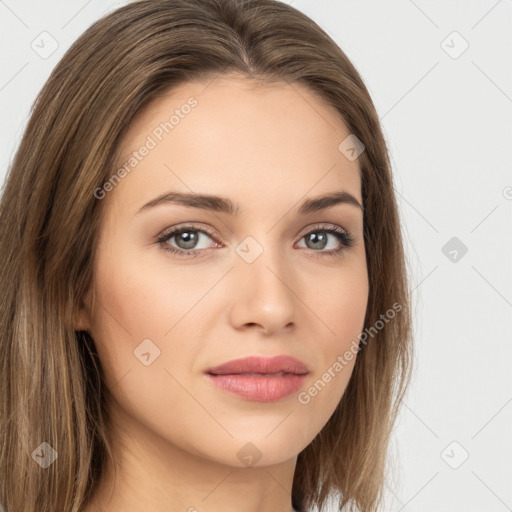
259,378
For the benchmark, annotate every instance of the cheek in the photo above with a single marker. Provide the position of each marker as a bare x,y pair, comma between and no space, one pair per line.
129,309
342,308
341,303
146,307
146,300
136,306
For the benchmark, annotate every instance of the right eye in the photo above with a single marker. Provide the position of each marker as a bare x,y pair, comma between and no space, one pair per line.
186,240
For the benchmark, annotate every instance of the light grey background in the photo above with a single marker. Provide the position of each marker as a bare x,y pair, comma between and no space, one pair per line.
447,117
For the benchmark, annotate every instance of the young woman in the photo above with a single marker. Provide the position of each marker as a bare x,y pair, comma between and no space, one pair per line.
205,297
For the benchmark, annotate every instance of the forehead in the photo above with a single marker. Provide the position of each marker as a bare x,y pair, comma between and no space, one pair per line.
233,135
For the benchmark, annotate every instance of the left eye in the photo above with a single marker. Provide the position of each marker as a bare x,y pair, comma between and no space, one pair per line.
319,239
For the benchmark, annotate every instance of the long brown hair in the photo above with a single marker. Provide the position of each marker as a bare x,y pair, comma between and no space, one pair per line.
51,383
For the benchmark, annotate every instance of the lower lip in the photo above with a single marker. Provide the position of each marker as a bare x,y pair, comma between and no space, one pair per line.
259,389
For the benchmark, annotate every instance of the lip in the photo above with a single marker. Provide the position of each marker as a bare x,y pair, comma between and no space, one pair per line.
259,364
260,379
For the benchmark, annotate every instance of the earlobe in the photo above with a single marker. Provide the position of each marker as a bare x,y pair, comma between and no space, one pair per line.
82,320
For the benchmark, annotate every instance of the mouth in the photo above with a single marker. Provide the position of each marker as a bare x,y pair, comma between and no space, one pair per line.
260,379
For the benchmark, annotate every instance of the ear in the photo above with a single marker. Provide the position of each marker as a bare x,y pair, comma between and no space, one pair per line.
83,315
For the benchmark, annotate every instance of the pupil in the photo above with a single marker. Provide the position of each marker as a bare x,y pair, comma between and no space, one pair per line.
188,238
319,240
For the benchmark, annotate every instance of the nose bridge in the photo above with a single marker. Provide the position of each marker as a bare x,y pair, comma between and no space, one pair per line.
262,261
264,284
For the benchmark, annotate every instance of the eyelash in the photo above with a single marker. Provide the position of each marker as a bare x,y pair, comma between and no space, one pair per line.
343,236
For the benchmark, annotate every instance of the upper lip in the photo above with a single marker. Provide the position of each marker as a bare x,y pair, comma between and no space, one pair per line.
258,364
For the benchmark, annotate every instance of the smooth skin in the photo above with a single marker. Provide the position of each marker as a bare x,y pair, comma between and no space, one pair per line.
177,437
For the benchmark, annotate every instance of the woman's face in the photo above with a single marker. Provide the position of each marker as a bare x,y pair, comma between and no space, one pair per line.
261,278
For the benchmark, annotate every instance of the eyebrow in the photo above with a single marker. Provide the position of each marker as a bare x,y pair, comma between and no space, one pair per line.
225,205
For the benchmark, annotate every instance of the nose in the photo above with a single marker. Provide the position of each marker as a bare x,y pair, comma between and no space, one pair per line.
262,294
